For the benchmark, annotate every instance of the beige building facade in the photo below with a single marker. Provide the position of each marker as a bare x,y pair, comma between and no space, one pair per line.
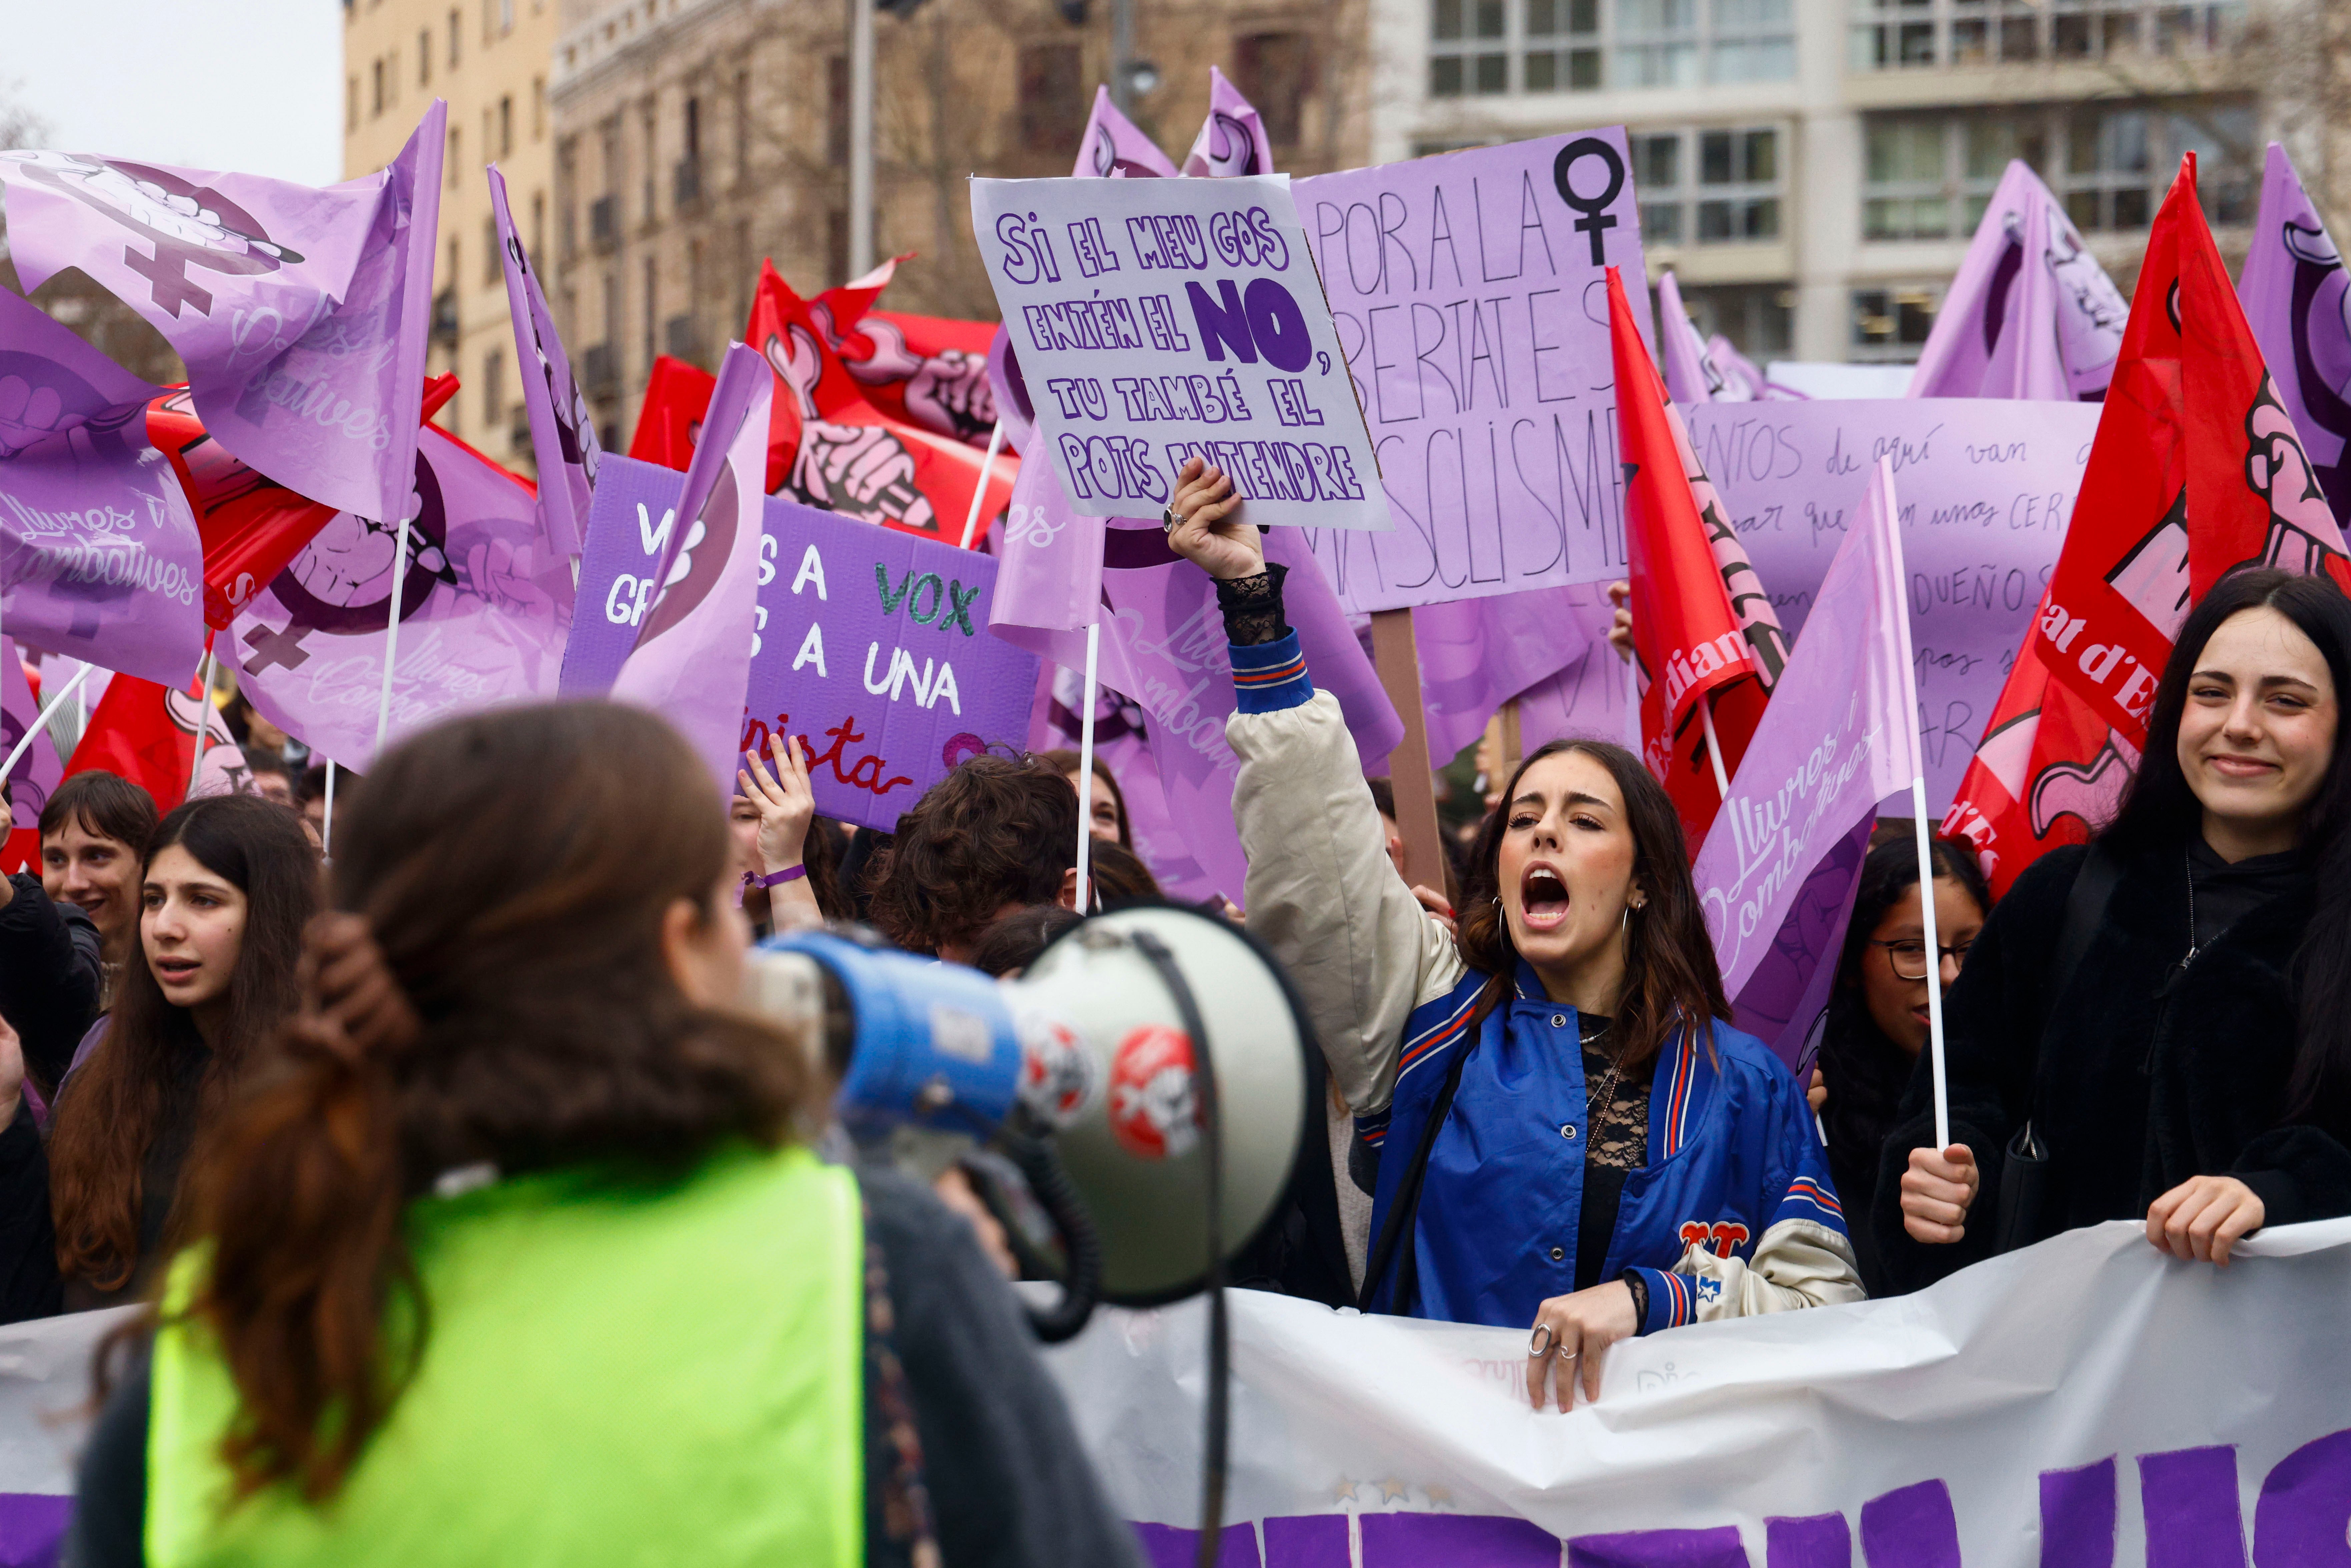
695,138
491,58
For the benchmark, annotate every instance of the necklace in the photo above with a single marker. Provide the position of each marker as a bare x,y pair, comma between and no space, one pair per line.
2189,861
1598,1107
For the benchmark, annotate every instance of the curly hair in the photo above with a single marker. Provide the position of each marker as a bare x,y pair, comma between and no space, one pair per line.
1670,972
998,831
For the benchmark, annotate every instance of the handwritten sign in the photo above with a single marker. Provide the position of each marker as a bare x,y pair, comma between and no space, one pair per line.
873,645
1471,293
1985,488
1157,320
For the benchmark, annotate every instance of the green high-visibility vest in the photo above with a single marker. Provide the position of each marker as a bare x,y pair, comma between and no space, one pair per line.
618,1371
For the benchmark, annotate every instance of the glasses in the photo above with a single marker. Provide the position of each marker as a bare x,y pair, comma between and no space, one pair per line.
1910,958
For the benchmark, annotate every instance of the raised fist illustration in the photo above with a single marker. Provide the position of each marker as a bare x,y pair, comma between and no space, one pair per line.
950,395
861,470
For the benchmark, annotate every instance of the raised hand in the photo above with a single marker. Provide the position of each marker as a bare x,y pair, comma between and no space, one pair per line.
786,804
1208,531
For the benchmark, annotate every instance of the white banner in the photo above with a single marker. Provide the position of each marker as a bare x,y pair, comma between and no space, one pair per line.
2085,1404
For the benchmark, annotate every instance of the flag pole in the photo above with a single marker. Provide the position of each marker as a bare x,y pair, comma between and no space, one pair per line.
24,741
979,491
1085,780
1713,747
392,633
1925,830
203,713
327,827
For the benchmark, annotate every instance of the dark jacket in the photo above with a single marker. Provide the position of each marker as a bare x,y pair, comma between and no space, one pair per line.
1867,1076
49,978
2156,1074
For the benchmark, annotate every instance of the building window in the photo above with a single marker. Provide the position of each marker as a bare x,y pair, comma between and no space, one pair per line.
1891,324
375,100
538,109
424,58
1052,99
1470,47
506,126
506,17
1757,318
1931,177
1709,187
492,272
494,389
836,111
1897,35
650,344
537,226
567,195
836,246
652,133
457,158
350,103
1573,45
1276,72
742,126
453,39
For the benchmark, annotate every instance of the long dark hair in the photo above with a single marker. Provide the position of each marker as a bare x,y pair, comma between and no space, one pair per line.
137,1084
1670,974
1067,761
1865,1071
524,926
2161,810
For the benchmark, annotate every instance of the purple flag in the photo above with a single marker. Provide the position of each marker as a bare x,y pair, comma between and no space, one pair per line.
301,312
562,431
873,644
1232,140
1688,377
1113,147
689,656
1477,654
2061,340
1593,695
1119,745
484,612
38,770
1742,379
2298,301
1775,878
99,552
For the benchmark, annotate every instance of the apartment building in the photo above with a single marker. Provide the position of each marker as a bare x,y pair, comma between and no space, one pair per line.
1811,169
695,138
491,58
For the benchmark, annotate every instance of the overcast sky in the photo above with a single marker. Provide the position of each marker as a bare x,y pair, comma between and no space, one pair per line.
254,85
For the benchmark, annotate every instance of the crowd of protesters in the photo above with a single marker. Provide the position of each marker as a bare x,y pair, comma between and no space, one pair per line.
350,1127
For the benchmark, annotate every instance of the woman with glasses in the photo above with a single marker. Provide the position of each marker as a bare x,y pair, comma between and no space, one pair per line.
1876,1026
2157,1028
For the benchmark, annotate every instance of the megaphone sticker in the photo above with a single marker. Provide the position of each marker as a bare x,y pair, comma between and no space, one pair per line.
1059,1076
1152,1111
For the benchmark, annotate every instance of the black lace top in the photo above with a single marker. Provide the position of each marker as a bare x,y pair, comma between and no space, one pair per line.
1617,1145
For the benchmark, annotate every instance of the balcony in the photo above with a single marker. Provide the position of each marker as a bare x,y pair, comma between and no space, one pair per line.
605,222
445,318
681,339
599,373
686,183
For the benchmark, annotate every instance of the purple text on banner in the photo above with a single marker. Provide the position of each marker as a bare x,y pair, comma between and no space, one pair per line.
1470,294
1986,486
874,646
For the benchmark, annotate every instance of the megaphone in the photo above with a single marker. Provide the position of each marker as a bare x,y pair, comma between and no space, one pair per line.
1154,1052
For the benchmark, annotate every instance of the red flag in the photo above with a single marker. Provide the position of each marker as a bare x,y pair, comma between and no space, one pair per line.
2196,469
829,446
251,525
1688,644
930,371
147,733
2048,771
669,422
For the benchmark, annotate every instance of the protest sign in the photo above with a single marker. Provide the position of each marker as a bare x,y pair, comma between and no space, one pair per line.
562,427
1162,319
2087,1401
1470,294
1986,486
2295,292
873,645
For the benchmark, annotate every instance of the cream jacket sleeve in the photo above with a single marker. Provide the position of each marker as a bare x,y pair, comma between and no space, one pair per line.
1324,898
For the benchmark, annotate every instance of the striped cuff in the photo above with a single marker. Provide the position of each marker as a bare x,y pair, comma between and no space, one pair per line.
1672,1299
1271,676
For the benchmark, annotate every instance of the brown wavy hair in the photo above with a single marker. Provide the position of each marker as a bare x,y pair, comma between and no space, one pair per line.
515,869
1670,973
137,1086
997,831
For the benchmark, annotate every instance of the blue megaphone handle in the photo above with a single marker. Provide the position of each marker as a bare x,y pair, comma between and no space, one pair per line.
935,1042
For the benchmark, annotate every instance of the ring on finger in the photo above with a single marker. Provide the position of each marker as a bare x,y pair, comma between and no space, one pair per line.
1541,1343
1168,519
